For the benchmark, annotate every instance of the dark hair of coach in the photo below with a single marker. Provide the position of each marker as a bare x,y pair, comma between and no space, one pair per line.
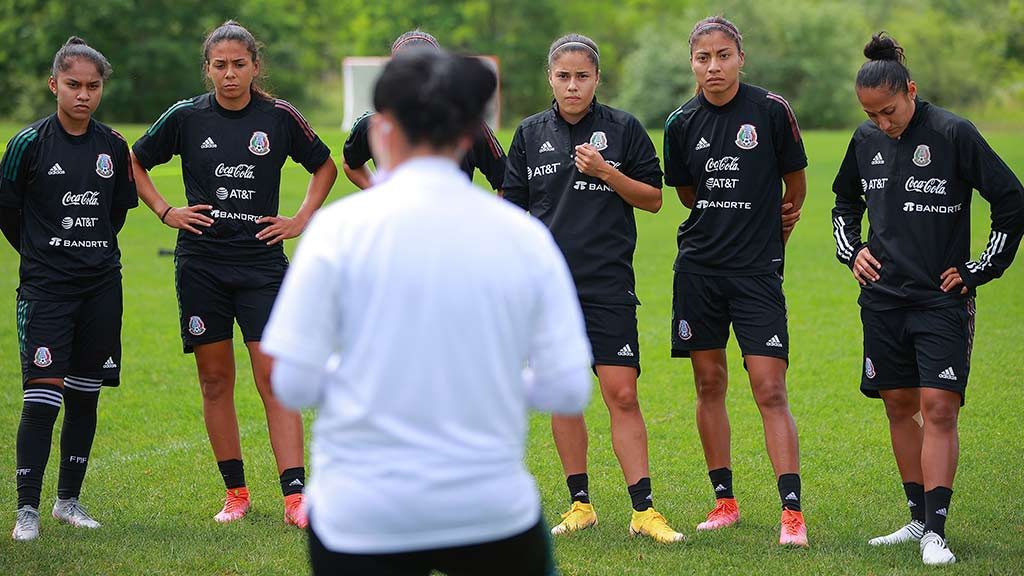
436,97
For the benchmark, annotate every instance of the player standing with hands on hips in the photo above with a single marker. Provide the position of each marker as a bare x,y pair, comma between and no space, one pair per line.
229,259
728,151
429,296
581,167
65,190
913,166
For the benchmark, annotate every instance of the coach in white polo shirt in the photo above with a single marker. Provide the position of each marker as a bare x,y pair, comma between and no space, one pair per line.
429,296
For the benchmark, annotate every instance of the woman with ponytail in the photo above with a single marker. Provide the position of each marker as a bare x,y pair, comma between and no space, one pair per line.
65,189
913,166
582,168
735,155
229,259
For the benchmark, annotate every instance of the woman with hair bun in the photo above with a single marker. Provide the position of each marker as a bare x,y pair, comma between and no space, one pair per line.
430,295
65,189
229,259
913,166
486,154
582,167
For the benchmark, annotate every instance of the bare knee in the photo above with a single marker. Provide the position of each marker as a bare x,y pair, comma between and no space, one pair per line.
770,395
940,415
711,383
622,399
216,385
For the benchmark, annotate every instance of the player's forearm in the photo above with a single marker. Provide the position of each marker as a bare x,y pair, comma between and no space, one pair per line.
687,195
359,176
320,185
147,191
636,193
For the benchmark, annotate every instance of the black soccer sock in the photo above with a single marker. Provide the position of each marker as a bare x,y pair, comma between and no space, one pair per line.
293,481
936,502
640,494
789,491
915,500
76,440
35,431
579,488
233,473
721,482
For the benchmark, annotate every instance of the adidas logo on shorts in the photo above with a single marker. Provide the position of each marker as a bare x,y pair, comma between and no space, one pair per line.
626,351
109,363
55,170
774,342
948,374
546,147
208,143
702,144
877,160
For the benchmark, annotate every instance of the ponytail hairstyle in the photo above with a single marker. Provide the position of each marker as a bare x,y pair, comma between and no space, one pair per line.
74,48
231,30
575,43
716,24
436,97
414,39
886,65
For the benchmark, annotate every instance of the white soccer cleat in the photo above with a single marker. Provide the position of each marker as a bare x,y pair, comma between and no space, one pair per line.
70,511
934,551
26,527
908,533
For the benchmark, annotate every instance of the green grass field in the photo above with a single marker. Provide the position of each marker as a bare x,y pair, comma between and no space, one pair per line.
154,484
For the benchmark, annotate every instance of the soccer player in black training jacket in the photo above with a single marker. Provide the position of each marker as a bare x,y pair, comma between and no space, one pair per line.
581,167
229,260
65,189
913,167
485,155
728,151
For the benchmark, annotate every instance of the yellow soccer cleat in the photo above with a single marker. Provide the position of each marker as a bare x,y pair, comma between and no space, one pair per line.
652,524
580,517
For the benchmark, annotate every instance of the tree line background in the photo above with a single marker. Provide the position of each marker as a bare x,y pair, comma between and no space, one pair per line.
964,54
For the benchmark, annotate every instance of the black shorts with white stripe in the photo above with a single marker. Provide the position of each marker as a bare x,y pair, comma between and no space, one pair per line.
704,306
612,331
918,348
74,337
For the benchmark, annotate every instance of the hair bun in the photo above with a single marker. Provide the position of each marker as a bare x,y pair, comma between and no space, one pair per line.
883,47
75,40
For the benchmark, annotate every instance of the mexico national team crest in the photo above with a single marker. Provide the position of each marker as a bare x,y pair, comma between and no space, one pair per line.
43,358
684,330
746,138
104,166
196,326
922,156
599,140
869,368
259,144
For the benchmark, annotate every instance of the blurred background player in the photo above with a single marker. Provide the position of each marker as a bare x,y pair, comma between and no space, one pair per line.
65,189
485,155
728,152
229,258
430,295
581,167
913,166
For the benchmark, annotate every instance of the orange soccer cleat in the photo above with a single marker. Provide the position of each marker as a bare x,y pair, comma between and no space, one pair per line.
794,531
726,513
236,505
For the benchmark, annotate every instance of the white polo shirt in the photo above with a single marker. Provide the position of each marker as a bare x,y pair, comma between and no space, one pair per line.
429,296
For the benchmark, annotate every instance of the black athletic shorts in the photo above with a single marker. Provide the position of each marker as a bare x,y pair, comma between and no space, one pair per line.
612,331
526,554
918,348
75,337
704,306
213,294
